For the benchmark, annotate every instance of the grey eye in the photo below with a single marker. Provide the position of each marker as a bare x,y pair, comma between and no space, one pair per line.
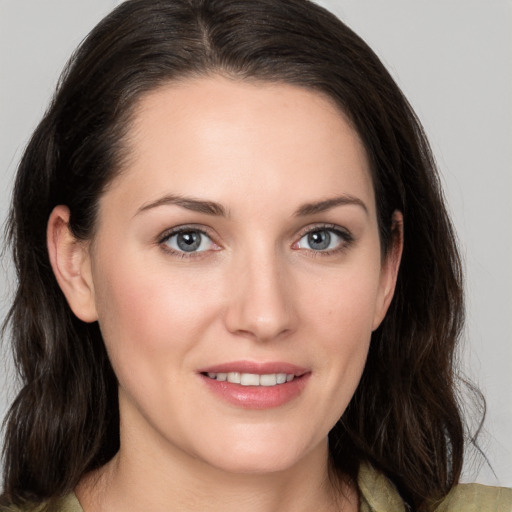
189,241
320,240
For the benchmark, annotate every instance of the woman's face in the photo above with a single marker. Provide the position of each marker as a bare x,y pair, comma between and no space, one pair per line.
240,242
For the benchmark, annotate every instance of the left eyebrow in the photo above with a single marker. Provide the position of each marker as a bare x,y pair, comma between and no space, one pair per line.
327,204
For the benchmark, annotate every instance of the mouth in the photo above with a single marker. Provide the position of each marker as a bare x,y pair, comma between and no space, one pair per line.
252,379
256,385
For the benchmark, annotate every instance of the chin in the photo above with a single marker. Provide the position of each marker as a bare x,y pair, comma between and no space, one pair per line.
257,455
240,464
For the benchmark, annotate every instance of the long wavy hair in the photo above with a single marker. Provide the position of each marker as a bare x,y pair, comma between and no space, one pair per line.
404,418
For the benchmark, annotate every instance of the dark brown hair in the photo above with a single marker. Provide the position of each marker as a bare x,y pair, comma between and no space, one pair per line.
404,418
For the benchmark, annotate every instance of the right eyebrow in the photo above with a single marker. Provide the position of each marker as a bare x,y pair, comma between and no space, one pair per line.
190,203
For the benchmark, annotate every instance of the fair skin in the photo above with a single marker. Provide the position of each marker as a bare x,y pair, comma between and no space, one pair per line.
277,270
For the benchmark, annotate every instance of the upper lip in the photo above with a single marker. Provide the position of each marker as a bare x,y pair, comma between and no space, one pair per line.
259,368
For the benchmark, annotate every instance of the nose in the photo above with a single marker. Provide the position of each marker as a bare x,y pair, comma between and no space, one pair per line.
261,304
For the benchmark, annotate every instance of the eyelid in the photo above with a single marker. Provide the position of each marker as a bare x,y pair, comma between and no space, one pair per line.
344,233
165,235
176,230
340,231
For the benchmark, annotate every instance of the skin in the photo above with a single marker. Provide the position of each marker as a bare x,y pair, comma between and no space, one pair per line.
256,291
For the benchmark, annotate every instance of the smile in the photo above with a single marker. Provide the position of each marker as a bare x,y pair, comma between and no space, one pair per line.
252,379
253,385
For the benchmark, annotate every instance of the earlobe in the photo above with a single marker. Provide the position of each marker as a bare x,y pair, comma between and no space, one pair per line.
70,260
390,267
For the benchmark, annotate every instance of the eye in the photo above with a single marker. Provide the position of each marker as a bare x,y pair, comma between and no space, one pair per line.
188,241
324,240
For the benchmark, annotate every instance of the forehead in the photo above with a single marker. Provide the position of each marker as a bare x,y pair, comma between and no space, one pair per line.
227,139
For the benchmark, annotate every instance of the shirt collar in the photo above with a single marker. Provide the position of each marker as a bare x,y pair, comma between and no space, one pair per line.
377,493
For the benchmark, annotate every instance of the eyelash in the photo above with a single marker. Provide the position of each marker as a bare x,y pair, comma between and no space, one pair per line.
167,235
346,237
346,240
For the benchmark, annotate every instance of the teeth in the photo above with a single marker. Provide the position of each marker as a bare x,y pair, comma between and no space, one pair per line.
234,377
281,378
268,380
249,379
253,379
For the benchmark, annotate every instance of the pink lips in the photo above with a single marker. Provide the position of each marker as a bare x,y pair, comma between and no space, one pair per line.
256,397
255,367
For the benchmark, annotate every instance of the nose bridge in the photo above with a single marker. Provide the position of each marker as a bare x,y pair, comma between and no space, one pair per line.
260,303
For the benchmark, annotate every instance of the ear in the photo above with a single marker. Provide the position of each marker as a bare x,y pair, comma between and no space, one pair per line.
71,264
389,269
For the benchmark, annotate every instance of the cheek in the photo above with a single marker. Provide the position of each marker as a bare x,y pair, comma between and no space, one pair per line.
144,311
341,320
344,302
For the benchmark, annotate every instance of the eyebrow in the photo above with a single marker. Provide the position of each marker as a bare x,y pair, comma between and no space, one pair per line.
190,203
216,209
327,204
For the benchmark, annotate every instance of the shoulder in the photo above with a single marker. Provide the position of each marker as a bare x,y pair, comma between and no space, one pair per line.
67,503
378,494
476,498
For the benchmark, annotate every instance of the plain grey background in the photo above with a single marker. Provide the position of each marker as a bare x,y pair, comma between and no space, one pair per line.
452,59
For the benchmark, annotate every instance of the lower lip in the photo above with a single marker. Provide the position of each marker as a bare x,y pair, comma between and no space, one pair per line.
257,397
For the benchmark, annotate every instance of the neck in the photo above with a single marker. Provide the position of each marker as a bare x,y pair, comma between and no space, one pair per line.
125,484
149,474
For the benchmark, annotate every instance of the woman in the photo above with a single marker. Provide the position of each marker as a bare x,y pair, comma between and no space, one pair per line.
238,284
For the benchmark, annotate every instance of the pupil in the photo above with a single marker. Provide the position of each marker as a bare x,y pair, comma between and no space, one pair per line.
319,240
189,241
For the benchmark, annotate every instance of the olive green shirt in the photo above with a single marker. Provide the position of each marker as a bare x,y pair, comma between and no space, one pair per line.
377,494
